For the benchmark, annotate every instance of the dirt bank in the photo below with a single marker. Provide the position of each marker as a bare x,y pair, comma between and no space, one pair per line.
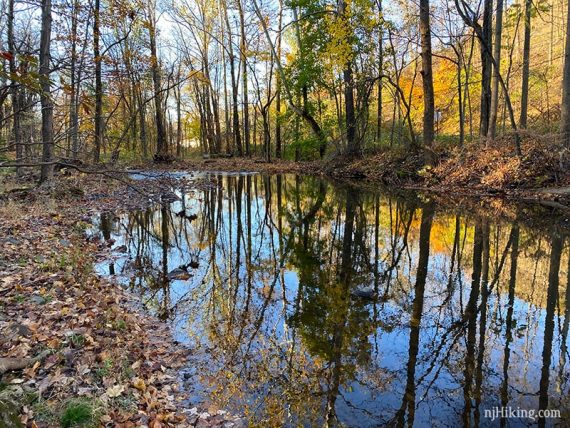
541,174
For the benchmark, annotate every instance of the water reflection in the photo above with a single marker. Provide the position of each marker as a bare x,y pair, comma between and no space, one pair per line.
317,305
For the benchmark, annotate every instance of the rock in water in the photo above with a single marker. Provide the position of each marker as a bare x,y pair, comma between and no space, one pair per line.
178,274
367,293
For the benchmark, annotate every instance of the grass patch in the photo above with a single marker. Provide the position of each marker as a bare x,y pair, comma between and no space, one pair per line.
77,340
44,413
120,325
78,413
105,369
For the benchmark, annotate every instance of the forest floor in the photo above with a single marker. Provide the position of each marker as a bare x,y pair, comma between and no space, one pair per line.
75,348
541,174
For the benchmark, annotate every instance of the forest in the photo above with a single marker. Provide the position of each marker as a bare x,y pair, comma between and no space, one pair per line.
112,81
284,213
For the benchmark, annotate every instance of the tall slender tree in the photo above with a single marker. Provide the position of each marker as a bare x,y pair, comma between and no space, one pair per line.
46,100
14,88
99,125
161,141
486,66
427,74
278,144
74,96
234,82
380,71
495,84
565,105
526,64
244,65
352,140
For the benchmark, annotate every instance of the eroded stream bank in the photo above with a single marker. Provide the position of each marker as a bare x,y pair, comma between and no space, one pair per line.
489,173
307,302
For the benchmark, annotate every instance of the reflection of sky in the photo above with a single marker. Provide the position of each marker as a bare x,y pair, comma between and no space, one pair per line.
375,393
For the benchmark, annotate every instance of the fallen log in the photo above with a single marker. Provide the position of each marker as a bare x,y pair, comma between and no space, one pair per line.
13,364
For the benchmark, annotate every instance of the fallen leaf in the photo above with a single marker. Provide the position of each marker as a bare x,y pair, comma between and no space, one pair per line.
139,384
115,391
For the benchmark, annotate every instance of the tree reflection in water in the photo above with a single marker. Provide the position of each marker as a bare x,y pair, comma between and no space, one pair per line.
308,303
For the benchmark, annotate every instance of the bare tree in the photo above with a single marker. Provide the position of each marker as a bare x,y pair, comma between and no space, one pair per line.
427,74
243,56
161,141
565,106
14,87
46,101
495,83
526,65
278,144
98,82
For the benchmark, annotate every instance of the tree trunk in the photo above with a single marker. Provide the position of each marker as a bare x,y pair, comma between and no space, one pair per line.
486,67
98,84
216,118
352,142
380,70
227,125
235,87
161,142
278,143
427,74
73,113
460,105
46,102
178,93
565,106
526,65
14,89
142,123
243,56
495,84
353,145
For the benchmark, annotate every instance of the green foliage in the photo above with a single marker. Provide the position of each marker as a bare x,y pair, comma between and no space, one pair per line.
9,415
105,369
307,148
77,340
78,413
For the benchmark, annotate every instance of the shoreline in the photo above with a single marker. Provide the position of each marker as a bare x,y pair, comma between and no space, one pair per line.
555,196
76,344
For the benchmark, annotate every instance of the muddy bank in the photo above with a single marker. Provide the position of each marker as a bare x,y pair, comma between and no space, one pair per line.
76,348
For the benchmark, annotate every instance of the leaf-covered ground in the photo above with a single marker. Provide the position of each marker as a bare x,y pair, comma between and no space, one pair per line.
75,349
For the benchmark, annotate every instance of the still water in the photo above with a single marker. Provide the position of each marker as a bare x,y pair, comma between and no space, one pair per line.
307,303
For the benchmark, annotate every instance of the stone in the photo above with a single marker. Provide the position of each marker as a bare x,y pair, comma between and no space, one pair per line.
178,274
367,293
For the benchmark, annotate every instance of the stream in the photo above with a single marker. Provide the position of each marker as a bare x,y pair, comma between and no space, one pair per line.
310,303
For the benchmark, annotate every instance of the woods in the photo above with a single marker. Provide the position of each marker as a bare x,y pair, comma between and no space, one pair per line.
231,213
119,80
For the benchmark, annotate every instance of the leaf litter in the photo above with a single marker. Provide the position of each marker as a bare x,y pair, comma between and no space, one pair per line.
67,334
